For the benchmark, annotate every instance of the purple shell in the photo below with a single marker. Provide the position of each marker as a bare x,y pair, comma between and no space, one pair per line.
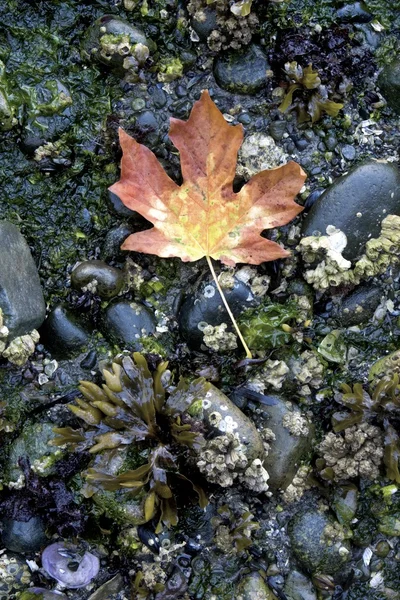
57,560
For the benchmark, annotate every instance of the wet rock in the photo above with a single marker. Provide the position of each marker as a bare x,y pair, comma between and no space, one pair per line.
115,43
253,587
21,297
205,24
243,72
113,241
299,587
36,593
356,204
293,438
63,333
389,83
98,277
68,566
118,207
359,306
259,152
354,12
205,307
24,536
125,322
109,590
318,542
33,443
348,152
344,503
14,576
49,114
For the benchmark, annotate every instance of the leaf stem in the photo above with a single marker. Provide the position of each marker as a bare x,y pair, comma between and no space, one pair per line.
224,300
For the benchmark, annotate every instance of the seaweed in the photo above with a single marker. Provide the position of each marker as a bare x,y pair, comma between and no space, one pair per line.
134,409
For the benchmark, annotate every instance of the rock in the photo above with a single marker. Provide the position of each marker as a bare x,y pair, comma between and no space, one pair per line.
243,72
118,207
33,443
116,43
24,536
205,307
203,25
348,152
390,524
63,333
389,83
36,593
344,503
113,241
299,587
318,542
21,296
359,306
14,576
253,587
355,12
293,438
356,204
110,589
259,152
98,277
49,114
125,322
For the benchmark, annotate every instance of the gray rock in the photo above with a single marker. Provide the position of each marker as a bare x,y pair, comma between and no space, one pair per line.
110,40
348,152
63,333
356,204
318,543
125,322
389,83
299,587
204,26
205,307
33,443
24,536
253,587
359,306
21,296
113,241
354,12
110,589
243,72
103,280
289,446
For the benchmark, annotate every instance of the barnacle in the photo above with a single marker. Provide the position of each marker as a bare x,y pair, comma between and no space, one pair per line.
378,405
133,407
312,97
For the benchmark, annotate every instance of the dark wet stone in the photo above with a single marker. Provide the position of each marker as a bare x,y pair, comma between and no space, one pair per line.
21,296
242,72
299,587
312,198
359,306
159,97
24,537
89,362
316,542
355,12
110,589
106,28
286,451
356,204
206,307
253,587
348,152
125,322
109,279
63,333
244,118
113,241
203,27
389,83
277,129
118,207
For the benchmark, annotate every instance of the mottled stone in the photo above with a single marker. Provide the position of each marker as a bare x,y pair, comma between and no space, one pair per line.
356,204
254,587
243,72
21,296
359,306
389,82
24,536
97,277
125,322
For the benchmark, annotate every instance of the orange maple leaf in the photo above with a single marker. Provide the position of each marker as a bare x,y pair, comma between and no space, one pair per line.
204,217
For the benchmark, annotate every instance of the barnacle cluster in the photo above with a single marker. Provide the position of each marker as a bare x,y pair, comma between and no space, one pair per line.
234,23
326,267
134,407
306,95
368,436
18,350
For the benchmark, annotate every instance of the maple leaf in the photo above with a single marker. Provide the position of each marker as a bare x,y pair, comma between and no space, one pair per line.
204,217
